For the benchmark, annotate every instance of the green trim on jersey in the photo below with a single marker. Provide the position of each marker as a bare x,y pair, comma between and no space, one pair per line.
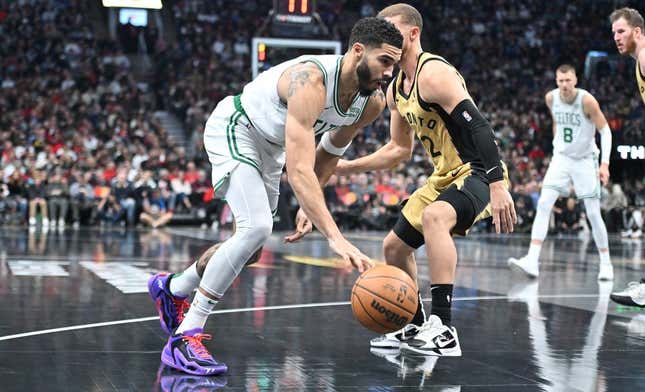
322,68
335,93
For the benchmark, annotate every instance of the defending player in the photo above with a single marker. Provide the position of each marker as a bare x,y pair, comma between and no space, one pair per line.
576,117
429,98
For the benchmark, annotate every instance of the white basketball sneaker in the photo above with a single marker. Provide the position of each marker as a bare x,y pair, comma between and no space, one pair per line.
606,272
633,295
434,338
524,265
393,340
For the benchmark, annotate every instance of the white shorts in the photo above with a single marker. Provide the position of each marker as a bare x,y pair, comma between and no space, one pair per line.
564,171
231,140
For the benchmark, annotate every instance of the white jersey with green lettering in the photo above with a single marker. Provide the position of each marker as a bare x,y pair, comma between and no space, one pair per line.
268,113
574,131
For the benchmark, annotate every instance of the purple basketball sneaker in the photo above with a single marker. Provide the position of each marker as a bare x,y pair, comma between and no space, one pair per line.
187,353
171,308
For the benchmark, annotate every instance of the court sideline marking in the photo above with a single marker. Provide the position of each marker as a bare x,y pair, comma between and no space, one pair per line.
275,307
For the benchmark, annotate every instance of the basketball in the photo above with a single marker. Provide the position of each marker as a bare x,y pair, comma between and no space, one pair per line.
384,299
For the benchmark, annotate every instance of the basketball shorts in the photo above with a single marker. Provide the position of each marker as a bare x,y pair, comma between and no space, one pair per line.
582,173
467,192
230,140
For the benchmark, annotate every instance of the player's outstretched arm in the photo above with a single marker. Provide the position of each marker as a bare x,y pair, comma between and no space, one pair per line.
392,153
592,110
302,88
440,83
328,151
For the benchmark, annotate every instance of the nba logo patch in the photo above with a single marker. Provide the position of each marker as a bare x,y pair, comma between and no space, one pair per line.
466,116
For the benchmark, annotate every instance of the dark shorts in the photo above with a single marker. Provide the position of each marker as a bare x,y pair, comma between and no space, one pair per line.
468,195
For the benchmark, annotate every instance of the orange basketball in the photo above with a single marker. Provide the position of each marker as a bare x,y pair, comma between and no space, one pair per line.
384,298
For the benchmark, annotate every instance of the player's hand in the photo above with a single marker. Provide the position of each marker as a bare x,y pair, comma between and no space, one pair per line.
351,254
342,168
501,203
603,172
303,227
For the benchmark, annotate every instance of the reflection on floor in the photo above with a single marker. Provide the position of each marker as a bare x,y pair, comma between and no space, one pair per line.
75,316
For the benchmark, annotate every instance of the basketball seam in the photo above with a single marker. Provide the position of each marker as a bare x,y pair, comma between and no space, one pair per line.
388,277
365,311
384,299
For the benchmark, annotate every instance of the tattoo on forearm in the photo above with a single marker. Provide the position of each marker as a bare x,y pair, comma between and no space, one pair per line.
298,79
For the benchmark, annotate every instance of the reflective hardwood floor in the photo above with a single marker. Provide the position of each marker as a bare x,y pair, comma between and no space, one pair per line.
75,316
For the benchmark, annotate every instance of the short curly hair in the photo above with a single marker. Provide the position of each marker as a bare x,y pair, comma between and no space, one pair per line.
374,32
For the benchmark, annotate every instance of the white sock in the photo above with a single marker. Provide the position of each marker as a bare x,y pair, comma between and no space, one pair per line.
534,252
604,258
198,313
183,283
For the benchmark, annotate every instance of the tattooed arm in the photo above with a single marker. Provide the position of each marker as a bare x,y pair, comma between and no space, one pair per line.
302,88
397,149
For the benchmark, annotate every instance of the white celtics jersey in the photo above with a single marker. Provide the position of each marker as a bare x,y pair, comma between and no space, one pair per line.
268,113
574,131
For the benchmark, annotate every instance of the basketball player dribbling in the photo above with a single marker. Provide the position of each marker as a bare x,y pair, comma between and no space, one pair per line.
428,98
249,138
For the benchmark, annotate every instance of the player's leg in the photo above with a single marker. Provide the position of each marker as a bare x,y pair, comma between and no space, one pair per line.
586,182
254,222
599,232
557,180
399,254
439,218
171,291
235,162
453,211
529,264
398,248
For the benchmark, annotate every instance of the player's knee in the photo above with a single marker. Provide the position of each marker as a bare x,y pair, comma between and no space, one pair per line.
544,205
592,208
257,232
392,247
254,257
433,219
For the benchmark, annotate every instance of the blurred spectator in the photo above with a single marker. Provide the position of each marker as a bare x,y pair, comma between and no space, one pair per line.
123,193
82,200
613,207
37,196
109,210
57,199
571,217
155,212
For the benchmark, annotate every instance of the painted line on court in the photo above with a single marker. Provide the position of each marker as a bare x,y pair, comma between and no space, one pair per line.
276,307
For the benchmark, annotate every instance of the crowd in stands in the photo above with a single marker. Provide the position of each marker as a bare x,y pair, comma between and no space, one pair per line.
80,143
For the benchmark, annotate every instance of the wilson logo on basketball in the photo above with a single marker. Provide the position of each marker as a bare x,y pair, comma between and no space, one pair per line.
390,316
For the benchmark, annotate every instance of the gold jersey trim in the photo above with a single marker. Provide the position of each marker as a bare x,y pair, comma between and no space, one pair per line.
640,79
